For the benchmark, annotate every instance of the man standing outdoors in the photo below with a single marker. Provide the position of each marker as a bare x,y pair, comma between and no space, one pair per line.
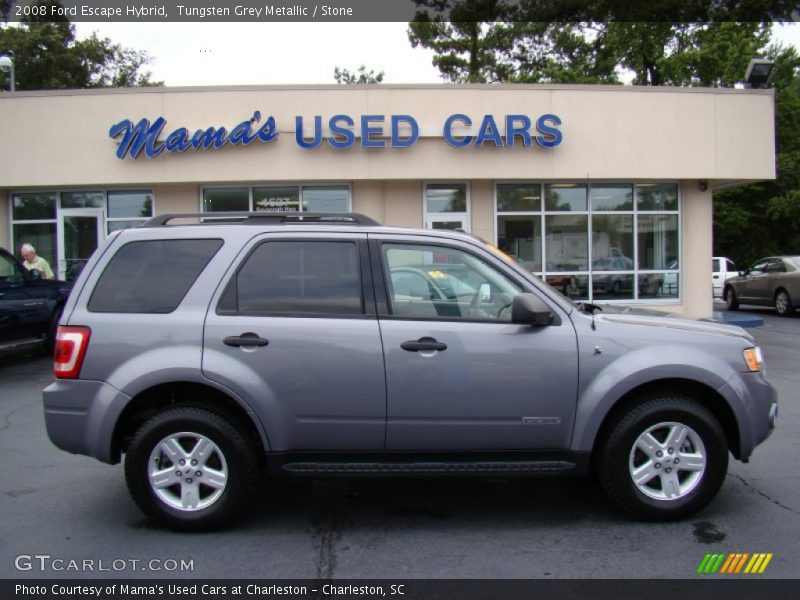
35,262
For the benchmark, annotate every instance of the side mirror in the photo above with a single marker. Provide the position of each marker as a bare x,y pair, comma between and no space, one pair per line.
528,309
35,274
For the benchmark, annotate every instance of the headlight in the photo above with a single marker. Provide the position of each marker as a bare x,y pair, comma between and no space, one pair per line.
754,358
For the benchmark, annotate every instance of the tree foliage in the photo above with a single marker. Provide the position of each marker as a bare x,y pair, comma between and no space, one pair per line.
762,219
347,77
48,56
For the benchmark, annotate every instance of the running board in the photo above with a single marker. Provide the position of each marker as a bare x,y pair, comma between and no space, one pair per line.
429,468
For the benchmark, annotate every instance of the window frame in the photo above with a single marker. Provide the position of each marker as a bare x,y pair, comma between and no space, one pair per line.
365,275
542,214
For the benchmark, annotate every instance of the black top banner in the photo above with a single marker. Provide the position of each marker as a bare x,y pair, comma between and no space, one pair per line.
254,11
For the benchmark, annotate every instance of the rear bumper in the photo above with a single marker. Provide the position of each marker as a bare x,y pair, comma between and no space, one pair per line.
80,416
755,405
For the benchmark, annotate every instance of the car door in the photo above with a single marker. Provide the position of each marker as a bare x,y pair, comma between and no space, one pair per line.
459,375
775,272
293,332
24,306
748,286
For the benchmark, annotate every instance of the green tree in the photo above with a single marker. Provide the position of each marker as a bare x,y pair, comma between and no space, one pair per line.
468,38
758,220
47,56
347,77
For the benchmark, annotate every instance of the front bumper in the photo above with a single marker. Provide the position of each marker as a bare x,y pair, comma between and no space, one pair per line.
80,416
755,405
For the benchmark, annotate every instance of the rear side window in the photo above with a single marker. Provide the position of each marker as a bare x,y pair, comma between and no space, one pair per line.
151,276
297,277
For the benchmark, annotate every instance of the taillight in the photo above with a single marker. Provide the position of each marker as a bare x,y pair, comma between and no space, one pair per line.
71,345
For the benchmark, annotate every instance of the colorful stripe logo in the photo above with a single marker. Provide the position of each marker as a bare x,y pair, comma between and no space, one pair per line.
737,562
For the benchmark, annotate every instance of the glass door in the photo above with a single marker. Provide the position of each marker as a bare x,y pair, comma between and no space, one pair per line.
80,231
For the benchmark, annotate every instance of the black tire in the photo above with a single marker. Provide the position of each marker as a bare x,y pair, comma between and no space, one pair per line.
729,295
238,460
783,303
617,459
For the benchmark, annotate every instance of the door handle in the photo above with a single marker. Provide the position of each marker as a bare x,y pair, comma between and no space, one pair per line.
246,339
423,344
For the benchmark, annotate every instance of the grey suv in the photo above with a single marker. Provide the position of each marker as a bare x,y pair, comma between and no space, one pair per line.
316,345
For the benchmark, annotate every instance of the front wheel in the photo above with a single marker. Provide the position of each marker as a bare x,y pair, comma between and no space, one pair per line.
664,460
190,469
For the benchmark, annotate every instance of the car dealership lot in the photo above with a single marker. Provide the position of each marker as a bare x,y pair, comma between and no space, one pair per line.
72,507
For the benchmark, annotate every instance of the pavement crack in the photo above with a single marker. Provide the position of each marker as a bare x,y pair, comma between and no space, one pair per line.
7,417
764,495
328,533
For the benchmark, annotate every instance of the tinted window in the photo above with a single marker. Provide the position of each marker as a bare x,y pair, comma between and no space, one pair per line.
319,278
151,276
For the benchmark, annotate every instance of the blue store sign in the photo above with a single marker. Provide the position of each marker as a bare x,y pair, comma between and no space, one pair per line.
375,131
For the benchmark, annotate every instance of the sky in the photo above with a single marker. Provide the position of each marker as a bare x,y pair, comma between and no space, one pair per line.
198,54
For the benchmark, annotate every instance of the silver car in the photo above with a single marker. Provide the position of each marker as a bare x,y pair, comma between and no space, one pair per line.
314,345
772,281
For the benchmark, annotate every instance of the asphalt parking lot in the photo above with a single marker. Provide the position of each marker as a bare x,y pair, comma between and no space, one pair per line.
72,507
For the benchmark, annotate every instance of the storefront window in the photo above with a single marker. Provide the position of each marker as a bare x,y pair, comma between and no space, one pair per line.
82,199
521,238
512,197
657,196
130,204
611,197
226,200
612,241
326,198
565,197
658,241
34,206
276,199
566,243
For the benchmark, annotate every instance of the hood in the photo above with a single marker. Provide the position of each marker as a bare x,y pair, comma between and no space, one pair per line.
646,318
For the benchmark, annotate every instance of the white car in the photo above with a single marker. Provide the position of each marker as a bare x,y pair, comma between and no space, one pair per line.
723,270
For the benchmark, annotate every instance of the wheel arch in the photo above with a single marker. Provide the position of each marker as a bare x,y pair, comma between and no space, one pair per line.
152,400
704,394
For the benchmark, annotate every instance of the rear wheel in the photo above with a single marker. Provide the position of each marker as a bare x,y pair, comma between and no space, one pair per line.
664,460
190,469
783,303
730,298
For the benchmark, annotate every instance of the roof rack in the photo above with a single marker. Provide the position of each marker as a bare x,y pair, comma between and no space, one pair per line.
267,218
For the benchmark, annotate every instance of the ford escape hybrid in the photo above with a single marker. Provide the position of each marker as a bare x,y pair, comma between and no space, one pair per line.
208,353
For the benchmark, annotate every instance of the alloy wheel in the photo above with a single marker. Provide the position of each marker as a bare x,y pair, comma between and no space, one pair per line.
667,461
